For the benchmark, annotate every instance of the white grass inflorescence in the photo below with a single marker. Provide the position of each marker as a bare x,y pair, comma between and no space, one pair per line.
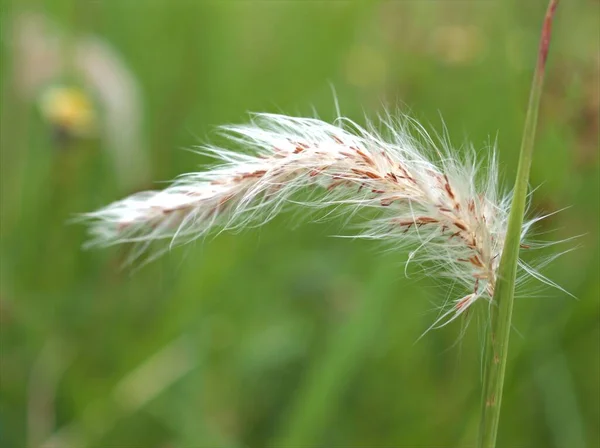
445,206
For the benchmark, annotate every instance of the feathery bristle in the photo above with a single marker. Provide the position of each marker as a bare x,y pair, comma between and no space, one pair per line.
445,206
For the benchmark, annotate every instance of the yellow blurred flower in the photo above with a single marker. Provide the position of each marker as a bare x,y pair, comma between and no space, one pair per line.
107,102
69,109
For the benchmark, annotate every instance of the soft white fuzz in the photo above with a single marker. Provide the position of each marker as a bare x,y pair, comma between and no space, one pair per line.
444,206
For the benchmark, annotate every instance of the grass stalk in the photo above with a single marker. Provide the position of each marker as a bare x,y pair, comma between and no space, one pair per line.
319,397
501,315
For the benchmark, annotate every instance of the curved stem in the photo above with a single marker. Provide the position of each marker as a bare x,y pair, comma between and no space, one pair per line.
502,304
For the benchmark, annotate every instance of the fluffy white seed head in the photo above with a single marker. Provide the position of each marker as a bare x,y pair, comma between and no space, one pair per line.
444,207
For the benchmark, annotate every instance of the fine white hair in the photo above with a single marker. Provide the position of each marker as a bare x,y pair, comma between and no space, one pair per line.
444,205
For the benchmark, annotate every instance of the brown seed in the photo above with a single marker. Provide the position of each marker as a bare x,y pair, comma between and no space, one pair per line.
460,226
476,261
365,157
337,139
392,176
367,174
472,206
461,304
447,187
425,220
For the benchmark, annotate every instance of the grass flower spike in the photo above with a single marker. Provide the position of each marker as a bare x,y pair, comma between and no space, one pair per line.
444,207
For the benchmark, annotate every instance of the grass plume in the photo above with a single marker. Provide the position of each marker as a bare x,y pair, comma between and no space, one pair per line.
445,207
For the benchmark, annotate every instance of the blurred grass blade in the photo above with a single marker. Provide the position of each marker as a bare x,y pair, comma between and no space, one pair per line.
131,394
320,395
501,316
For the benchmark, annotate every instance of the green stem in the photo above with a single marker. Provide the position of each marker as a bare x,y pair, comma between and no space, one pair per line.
501,316
320,395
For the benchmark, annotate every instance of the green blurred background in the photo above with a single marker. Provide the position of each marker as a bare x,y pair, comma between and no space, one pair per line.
282,336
